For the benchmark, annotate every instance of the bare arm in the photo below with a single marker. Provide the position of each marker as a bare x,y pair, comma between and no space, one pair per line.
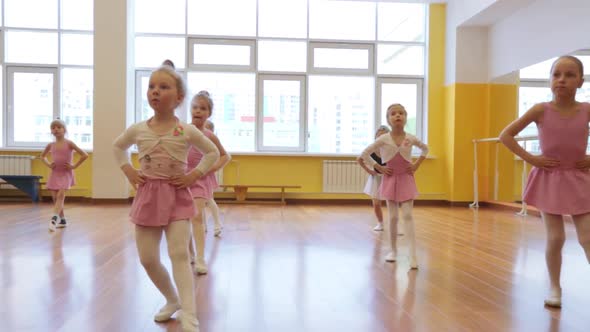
507,135
82,153
224,157
44,156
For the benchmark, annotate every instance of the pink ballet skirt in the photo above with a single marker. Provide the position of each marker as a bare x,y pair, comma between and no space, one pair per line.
564,189
206,185
158,202
401,185
61,177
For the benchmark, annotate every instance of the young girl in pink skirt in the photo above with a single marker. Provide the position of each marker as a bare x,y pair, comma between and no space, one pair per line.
398,186
559,181
61,177
163,202
202,189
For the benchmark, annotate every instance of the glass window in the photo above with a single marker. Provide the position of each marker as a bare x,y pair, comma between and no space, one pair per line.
341,113
401,22
32,102
287,56
340,58
343,20
151,51
39,14
282,18
234,111
222,17
211,54
154,16
282,109
77,14
400,60
31,47
77,49
76,103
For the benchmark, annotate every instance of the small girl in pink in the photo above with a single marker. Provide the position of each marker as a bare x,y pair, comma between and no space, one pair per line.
61,177
559,181
163,202
202,190
398,186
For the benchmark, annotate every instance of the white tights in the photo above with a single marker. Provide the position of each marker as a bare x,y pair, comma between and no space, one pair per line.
408,220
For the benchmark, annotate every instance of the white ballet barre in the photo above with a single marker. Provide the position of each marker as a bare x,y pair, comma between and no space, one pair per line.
496,140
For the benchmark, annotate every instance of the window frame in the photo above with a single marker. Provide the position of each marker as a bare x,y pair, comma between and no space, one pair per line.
10,70
192,42
259,131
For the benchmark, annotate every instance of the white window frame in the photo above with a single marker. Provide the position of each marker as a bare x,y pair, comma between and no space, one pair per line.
419,82
260,112
10,130
313,70
226,42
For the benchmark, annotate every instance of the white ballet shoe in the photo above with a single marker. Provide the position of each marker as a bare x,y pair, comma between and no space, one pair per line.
166,312
189,323
391,257
554,298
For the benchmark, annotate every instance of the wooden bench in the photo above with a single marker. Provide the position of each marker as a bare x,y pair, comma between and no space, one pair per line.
242,189
29,184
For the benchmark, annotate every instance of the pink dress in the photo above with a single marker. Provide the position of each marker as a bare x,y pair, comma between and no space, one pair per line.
205,186
61,177
400,186
562,190
158,202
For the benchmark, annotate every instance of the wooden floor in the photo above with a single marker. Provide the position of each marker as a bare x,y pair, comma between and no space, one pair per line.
292,269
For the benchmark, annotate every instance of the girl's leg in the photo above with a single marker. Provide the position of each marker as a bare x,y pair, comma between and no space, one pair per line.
582,223
392,211
555,241
408,221
59,204
215,213
378,213
178,237
148,247
199,237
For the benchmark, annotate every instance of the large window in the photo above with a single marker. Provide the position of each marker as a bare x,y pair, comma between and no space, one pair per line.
309,76
534,88
47,68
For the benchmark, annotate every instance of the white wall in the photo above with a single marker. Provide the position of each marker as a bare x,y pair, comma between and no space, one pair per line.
111,94
472,55
544,29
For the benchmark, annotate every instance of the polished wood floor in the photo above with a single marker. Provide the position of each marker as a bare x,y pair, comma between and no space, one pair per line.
294,268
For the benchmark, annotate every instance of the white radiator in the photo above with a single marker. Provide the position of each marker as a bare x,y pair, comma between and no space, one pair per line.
15,165
343,176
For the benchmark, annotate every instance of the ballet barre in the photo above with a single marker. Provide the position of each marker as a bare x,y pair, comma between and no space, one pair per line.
241,191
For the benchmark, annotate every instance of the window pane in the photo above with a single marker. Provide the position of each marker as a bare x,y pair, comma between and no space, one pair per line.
1,103
222,17
212,54
76,104
281,104
540,70
32,106
157,17
77,49
401,22
282,18
282,56
400,93
77,14
234,109
341,58
151,51
146,110
341,114
31,13
31,47
346,20
400,60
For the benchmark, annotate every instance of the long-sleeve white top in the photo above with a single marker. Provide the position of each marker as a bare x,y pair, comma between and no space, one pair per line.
176,143
387,149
